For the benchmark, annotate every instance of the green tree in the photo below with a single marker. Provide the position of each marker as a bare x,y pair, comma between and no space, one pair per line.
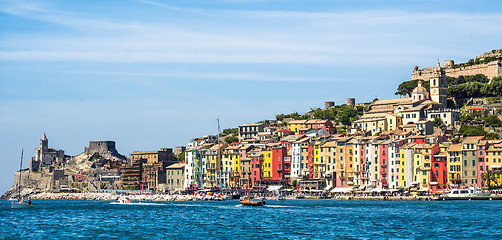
492,136
493,121
405,88
229,131
488,177
437,122
181,157
231,139
346,115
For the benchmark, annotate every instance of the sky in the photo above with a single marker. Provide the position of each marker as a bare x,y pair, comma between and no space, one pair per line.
149,74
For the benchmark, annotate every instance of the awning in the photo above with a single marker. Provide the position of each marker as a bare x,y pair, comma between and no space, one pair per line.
327,188
342,189
313,190
362,187
434,183
423,190
375,190
414,183
274,188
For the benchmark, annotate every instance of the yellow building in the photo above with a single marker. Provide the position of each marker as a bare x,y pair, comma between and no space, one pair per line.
231,165
296,125
454,164
493,161
319,164
215,176
378,122
267,163
423,155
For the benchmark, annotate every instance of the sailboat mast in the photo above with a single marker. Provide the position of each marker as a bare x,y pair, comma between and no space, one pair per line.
19,180
218,175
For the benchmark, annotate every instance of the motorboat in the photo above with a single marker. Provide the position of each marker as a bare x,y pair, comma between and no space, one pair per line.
122,200
465,194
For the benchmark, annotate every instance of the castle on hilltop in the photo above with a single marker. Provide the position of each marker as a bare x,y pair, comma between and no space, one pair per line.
488,64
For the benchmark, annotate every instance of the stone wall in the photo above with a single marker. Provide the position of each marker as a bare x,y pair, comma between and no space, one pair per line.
491,70
103,148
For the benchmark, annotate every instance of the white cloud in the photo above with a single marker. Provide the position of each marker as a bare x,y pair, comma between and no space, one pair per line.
252,37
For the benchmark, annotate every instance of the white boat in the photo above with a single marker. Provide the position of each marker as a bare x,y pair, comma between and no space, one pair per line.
22,204
122,200
465,194
127,201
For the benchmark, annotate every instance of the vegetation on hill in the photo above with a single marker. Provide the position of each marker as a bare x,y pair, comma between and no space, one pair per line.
294,116
477,61
340,114
477,86
230,131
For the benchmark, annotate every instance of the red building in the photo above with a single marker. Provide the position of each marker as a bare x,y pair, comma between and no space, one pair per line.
383,150
482,146
256,172
282,162
439,172
310,160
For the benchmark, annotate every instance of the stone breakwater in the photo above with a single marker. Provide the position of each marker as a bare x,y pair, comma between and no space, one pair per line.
114,197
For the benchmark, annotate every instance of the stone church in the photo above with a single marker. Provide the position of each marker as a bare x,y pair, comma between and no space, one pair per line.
45,156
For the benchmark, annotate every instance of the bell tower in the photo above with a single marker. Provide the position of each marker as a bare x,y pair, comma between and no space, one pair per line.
438,85
44,143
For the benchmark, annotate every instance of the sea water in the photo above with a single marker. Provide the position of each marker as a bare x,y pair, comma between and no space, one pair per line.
289,219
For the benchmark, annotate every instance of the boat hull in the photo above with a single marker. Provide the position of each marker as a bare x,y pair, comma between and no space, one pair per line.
21,205
255,203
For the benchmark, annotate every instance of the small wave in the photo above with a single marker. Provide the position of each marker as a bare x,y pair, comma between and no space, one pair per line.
276,206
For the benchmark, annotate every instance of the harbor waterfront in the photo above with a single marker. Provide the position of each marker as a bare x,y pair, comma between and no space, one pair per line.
289,219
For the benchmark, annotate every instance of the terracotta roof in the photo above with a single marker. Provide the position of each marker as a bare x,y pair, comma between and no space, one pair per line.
455,147
472,139
329,144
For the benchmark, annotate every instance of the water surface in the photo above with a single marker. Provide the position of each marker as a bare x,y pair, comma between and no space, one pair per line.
290,219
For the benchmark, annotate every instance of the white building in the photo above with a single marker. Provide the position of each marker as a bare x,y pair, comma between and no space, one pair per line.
195,167
448,116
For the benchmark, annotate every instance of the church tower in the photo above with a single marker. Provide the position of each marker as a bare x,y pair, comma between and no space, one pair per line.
44,144
438,86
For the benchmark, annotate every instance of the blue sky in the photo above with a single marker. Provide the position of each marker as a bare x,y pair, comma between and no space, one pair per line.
151,74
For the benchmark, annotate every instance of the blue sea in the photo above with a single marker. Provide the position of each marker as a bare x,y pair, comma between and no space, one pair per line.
289,219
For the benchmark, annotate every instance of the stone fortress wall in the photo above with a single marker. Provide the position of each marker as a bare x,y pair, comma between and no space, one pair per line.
491,69
103,148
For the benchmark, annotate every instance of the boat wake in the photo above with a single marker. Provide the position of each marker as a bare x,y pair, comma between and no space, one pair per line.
138,203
